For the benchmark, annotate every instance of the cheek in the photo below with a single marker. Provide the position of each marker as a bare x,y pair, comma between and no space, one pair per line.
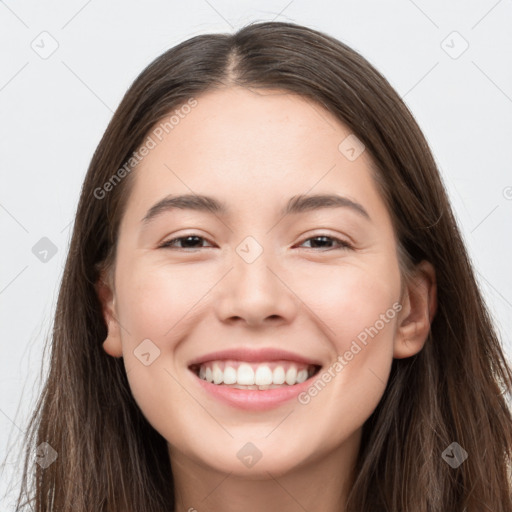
351,299
156,308
158,303
358,308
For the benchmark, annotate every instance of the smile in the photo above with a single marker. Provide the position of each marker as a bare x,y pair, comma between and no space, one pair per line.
254,376
253,380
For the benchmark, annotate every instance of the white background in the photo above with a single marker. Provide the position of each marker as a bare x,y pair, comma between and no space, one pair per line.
53,112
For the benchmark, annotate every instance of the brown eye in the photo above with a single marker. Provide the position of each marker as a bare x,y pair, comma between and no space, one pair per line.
194,242
188,242
323,241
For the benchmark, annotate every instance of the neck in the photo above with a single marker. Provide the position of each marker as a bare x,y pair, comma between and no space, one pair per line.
320,483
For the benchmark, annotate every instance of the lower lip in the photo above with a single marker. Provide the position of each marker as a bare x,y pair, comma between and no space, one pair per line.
252,399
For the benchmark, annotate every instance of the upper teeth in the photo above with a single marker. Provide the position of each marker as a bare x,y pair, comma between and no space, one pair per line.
260,374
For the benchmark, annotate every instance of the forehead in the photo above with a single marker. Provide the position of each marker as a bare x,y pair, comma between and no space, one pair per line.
238,124
252,148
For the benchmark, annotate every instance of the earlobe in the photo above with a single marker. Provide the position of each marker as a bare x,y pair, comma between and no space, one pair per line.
419,308
112,344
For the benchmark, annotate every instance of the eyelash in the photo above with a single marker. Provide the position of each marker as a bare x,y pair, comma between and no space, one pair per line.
167,245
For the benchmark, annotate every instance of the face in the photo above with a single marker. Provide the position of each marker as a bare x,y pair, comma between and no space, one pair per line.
313,289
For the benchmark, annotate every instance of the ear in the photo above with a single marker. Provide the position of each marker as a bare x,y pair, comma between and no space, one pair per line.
419,307
105,291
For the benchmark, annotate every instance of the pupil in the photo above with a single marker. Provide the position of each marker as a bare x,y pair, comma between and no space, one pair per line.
187,239
316,238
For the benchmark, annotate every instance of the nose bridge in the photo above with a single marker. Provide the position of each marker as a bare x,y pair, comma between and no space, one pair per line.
253,290
251,266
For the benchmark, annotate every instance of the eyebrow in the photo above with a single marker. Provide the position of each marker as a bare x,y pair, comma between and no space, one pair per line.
296,204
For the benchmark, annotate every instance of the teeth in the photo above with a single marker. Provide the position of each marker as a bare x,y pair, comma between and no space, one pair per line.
242,375
291,376
263,376
245,375
218,374
278,377
229,375
302,375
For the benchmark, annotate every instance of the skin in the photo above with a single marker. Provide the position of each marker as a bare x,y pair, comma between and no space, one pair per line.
254,150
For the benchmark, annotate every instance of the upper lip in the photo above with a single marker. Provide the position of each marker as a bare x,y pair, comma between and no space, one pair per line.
252,355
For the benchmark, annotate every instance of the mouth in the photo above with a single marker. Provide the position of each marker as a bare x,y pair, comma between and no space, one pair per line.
253,379
255,376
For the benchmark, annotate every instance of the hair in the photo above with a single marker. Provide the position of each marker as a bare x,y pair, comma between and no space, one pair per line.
454,390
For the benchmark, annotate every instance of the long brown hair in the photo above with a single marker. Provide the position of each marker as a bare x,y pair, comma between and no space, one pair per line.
453,390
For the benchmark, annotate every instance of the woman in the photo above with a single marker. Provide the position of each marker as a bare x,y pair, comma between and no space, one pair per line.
205,358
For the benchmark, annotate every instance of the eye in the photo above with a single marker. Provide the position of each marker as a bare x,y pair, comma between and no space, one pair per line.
190,242
328,239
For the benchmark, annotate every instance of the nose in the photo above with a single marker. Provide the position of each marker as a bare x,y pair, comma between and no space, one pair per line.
256,294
